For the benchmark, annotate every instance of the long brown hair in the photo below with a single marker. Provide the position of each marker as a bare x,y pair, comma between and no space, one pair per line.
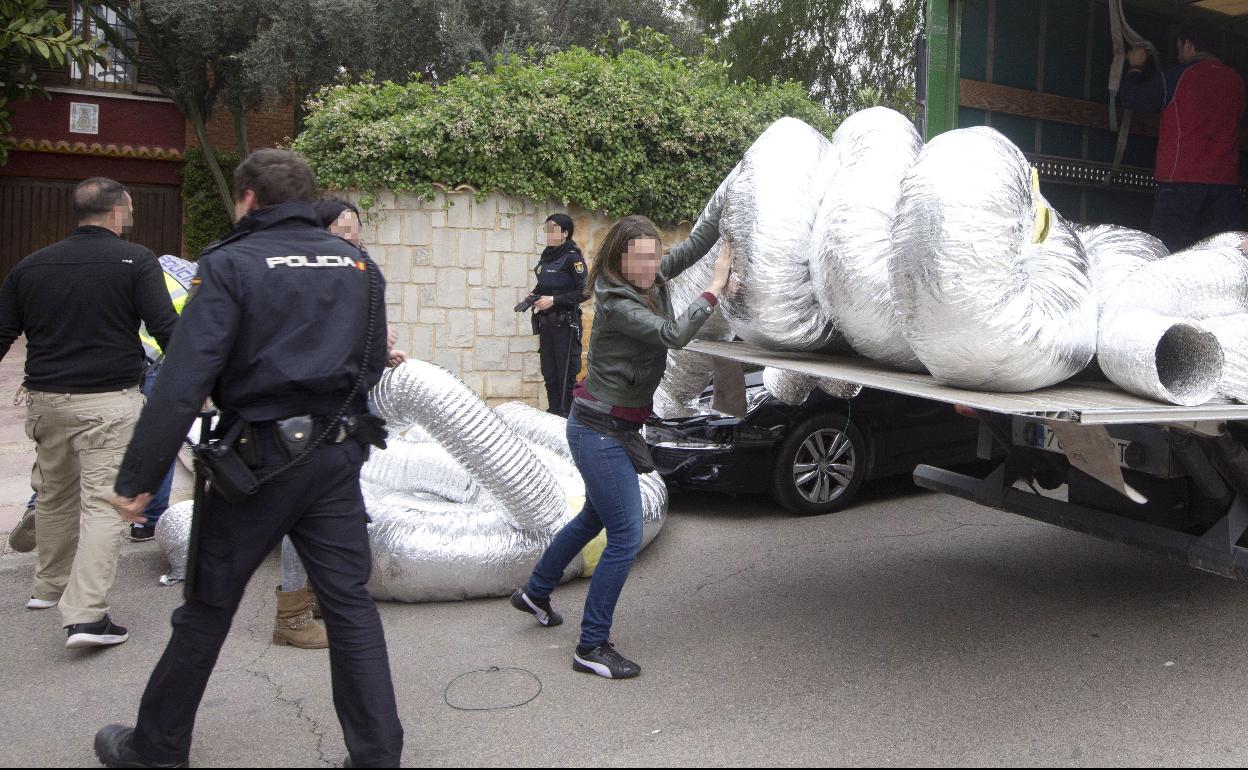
609,261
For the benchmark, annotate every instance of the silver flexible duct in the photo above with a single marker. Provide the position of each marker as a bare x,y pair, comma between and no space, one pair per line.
435,550
1153,339
421,468
982,303
418,392
1231,332
1114,253
853,234
173,532
793,388
688,373
769,215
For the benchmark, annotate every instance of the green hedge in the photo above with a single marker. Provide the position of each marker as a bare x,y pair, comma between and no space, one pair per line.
204,218
626,133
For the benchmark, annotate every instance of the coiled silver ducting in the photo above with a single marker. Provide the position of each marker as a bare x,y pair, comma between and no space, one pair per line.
793,388
421,468
1231,332
173,532
422,393
982,303
1114,253
853,234
688,373
1154,339
769,215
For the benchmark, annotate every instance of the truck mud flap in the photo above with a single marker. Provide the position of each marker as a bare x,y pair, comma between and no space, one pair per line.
1214,551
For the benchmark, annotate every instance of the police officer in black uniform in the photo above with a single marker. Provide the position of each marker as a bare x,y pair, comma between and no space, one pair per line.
560,290
275,329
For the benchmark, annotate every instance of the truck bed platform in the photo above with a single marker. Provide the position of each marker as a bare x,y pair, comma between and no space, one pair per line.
1088,403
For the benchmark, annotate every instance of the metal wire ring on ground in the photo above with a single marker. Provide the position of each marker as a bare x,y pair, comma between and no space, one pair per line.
446,694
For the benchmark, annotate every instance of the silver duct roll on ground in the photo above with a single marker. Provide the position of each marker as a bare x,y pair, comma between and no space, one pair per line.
418,392
173,532
689,373
769,215
1153,341
1231,332
431,550
982,303
436,550
853,234
1114,253
421,468
537,427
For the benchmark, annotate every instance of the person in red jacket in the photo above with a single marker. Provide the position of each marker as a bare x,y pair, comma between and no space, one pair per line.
1201,101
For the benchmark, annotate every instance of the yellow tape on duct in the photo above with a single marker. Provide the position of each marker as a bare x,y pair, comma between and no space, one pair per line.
1044,215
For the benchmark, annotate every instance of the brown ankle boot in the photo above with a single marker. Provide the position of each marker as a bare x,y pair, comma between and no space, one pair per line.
294,624
316,603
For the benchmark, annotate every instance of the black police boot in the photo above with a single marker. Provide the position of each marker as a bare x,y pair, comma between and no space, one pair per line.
538,608
112,747
604,661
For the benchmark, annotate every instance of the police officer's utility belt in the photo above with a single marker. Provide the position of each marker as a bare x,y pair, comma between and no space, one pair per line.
557,318
230,462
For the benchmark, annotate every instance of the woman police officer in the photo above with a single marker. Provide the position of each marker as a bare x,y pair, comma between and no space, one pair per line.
560,290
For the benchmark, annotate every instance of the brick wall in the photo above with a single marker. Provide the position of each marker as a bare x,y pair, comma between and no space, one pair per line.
266,127
455,269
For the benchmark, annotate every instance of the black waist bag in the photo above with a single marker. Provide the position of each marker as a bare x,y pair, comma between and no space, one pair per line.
628,434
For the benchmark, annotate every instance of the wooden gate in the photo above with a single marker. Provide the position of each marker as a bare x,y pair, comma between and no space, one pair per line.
37,212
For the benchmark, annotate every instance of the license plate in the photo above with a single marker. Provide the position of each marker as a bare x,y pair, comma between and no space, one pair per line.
1046,439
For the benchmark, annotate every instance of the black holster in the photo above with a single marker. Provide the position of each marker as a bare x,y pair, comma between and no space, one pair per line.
224,469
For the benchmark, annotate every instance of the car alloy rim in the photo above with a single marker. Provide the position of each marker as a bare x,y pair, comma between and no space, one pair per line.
824,466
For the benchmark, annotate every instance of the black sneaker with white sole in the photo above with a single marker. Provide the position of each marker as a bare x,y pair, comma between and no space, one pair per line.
604,661
102,634
538,608
141,533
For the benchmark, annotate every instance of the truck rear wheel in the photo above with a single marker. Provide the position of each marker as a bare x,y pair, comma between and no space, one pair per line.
820,466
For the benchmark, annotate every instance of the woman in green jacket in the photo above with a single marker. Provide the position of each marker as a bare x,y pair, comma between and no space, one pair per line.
634,327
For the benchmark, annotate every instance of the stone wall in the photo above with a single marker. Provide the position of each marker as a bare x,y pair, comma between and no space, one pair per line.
455,269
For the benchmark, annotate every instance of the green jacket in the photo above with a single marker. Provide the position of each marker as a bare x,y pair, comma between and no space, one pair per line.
629,343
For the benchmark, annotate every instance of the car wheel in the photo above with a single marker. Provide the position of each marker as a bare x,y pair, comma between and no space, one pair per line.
821,464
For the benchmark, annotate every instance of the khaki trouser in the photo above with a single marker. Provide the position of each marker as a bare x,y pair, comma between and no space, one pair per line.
81,439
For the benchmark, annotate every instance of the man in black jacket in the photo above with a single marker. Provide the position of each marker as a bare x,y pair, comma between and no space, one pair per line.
79,303
285,327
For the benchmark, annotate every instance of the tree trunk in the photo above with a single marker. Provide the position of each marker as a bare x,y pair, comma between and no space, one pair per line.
214,166
240,133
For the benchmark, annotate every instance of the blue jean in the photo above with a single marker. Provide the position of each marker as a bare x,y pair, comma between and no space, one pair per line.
613,501
160,498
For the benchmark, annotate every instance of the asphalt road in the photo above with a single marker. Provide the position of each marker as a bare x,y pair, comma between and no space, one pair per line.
915,629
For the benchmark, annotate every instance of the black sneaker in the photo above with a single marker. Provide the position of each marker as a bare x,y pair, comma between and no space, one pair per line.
112,748
541,610
141,533
605,662
102,634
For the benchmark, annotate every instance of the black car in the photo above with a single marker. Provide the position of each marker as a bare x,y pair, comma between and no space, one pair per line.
810,458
